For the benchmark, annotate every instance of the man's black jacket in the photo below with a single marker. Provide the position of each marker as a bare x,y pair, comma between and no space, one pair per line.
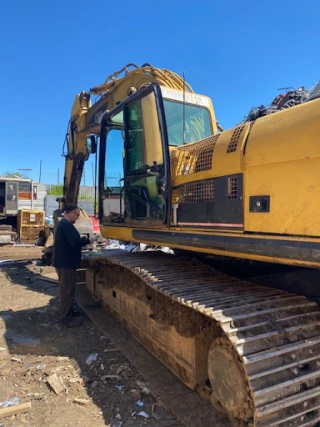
67,245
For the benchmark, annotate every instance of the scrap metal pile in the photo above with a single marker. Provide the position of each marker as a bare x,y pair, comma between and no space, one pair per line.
285,100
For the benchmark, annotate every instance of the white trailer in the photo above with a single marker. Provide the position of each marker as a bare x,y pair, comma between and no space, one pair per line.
17,194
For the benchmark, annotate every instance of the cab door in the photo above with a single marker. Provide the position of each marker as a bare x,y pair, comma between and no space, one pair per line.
145,160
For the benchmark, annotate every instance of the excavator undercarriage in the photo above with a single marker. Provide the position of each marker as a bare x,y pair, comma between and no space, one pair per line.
252,350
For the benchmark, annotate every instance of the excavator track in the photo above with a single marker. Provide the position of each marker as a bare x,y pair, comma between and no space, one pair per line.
263,364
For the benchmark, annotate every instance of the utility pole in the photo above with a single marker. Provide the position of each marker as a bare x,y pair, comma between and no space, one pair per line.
40,171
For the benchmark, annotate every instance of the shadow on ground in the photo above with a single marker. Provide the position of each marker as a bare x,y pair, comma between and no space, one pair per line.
35,334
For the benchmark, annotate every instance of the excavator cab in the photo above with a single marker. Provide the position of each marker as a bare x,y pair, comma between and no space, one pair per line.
142,144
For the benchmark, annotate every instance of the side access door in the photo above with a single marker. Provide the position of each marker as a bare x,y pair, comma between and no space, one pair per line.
11,198
145,158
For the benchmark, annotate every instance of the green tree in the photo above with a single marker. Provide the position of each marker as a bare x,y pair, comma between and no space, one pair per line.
56,190
15,175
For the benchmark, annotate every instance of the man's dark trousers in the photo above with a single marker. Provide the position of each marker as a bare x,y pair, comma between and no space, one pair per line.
67,280
66,260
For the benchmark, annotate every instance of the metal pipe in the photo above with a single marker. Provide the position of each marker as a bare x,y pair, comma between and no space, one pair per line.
31,194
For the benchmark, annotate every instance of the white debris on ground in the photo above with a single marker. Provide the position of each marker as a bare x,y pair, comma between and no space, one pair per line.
136,247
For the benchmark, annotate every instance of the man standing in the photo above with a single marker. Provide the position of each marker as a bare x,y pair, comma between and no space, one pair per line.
66,259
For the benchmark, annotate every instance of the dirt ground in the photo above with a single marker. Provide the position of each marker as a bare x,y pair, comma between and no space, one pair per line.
33,347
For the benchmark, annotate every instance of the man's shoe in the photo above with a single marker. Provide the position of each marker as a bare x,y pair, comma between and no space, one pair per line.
74,323
77,314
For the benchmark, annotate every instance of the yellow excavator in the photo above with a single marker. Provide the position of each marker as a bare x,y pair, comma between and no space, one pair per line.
249,192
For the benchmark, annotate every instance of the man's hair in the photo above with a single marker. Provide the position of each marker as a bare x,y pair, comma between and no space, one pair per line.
71,208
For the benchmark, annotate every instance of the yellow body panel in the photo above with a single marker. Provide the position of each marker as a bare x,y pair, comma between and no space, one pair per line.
294,198
224,163
282,160
288,135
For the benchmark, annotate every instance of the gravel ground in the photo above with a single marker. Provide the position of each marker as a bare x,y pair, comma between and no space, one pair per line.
35,351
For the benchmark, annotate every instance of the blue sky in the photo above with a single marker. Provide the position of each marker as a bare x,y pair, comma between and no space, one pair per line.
237,52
